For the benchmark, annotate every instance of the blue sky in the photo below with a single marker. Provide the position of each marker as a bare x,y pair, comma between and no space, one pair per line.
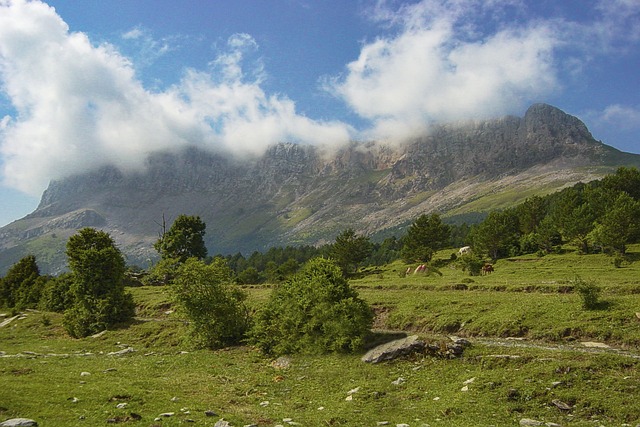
84,83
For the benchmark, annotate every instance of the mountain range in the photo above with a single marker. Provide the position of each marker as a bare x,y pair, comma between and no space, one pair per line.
302,194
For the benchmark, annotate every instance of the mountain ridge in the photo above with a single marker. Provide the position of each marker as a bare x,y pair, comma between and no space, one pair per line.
302,194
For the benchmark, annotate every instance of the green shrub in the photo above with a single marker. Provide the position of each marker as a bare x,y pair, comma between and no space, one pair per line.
471,263
56,295
212,302
315,311
16,287
99,297
589,292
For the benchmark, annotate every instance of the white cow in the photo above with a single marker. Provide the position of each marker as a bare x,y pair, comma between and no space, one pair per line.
465,250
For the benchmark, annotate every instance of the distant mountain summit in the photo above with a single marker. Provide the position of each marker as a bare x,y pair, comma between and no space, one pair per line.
299,194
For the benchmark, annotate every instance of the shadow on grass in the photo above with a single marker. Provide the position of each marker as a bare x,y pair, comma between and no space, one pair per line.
601,306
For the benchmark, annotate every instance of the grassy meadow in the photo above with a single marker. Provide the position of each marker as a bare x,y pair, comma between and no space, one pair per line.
527,360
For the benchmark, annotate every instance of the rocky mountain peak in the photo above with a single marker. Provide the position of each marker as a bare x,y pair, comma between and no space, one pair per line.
302,194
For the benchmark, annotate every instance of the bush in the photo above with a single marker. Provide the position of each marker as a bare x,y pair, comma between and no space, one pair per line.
18,288
589,291
99,297
471,264
56,295
212,302
315,311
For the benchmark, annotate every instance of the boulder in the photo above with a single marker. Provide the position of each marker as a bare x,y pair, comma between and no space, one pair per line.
19,422
394,349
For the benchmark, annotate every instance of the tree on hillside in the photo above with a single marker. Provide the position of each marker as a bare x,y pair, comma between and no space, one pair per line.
620,225
574,216
185,239
426,235
16,288
99,297
315,311
625,179
497,235
530,213
350,250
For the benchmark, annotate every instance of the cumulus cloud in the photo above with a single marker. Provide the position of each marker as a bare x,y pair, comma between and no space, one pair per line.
621,117
442,65
80,106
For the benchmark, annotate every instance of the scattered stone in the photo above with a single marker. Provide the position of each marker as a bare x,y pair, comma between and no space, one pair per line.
85,374
167,414
121,405
469,381
174,399
638,315
74,399
121,352
5,323
99,334
250,425
19,422
109,370
399,381
282,362
265,403
210,413
500,356
561,405
528,422
465,388
354,390
394,349
592,344
460,341
402,425
382,423
349,398
222,423
556,384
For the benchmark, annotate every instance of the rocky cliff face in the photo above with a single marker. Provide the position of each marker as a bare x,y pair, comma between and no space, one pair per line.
297,194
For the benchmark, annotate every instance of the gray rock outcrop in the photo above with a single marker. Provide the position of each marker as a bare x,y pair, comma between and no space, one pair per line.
300,194
19,422
394,349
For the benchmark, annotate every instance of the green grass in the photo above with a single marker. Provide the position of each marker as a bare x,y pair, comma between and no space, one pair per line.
526,297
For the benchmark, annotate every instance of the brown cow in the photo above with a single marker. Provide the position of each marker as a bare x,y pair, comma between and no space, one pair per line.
487,269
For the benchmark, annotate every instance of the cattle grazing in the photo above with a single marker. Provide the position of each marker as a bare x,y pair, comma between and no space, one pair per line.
465,250
420,269
487,269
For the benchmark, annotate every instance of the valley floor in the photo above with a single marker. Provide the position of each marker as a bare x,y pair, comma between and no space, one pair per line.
536,354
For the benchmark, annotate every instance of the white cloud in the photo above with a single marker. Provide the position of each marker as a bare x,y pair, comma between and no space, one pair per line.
622,117
442,67
80,106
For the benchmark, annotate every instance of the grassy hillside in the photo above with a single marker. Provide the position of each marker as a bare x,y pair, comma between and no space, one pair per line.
528,358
